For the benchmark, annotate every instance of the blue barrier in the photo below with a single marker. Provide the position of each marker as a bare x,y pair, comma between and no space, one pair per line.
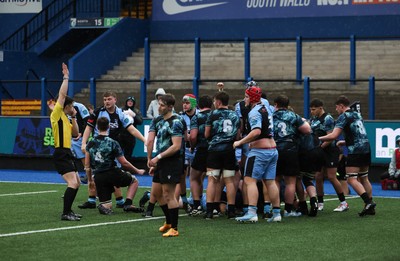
32,136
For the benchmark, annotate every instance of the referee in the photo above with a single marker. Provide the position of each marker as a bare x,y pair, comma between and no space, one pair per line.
63,131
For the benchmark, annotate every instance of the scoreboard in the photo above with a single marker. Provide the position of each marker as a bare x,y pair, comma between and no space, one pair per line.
102,22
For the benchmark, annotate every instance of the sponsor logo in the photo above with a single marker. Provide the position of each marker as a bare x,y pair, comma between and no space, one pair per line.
172,7
389,136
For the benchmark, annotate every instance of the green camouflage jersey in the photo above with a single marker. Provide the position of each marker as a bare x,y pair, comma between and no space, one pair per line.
322,125
354,132
103,151
286,124
198,122
165,130
224,125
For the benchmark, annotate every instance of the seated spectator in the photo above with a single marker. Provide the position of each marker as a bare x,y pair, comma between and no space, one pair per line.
394,165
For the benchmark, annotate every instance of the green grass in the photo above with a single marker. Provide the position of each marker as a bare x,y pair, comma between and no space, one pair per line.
126,236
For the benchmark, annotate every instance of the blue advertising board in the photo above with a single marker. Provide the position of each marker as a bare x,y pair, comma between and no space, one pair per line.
174,10
32,136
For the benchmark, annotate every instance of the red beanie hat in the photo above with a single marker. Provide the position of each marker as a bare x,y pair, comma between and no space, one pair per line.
254,94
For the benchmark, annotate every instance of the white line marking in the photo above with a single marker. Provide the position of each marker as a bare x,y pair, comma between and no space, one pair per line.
31,182
83,226
117,222
28,193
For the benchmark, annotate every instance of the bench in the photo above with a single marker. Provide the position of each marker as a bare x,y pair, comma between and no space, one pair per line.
21,107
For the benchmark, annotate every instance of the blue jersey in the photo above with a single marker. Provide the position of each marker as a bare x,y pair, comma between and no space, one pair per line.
260,118
243,112
269,107
118,121
199,122
354,132
82,115
165,130
286,124
224,125
103,151
188,119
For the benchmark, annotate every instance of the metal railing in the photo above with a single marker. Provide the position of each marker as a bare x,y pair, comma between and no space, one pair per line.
306,89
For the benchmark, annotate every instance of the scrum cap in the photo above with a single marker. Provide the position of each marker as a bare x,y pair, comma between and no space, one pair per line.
254,94
190,98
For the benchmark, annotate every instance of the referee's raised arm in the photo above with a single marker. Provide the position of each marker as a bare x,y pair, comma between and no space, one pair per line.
62,93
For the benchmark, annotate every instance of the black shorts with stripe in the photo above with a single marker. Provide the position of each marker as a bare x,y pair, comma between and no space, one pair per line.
64,161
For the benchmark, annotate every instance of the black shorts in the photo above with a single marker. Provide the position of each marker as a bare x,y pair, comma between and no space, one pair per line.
200,160
288,163
331,157
358,160
223,160
169,170
311,161
64,161
106,180
341,169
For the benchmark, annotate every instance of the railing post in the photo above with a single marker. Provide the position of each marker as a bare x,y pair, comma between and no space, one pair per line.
306,97
92,92
43,88
143,97
197,58
146,58
299,59
196,87
371,98
247,58
352,60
